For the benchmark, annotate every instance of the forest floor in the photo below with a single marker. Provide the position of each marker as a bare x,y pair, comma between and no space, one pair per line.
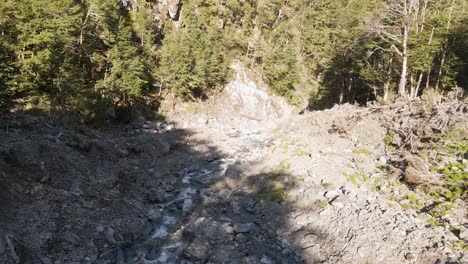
212,185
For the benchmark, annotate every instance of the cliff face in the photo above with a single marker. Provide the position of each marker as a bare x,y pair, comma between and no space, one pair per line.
161,10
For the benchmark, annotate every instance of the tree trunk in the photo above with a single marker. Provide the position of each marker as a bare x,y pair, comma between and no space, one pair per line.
418,86
444,49
341,96
428,77
389,79
442,62
404,67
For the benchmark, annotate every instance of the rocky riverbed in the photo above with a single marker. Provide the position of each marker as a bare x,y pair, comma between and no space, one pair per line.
213,186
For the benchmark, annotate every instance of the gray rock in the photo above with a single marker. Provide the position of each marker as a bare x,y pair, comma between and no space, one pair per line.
100,228
464,235
241,238
164,145
244,228
110,235
339,202
266,260
364,251
72,238
228,228
198,249
154,215
383,160
85,260
152,255
331,194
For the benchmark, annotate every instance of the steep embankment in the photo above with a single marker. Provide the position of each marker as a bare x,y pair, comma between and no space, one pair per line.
227,182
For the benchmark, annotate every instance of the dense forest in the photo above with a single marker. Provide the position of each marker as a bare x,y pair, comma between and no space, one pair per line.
87,55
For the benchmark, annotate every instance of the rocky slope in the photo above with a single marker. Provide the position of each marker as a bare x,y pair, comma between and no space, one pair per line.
214,185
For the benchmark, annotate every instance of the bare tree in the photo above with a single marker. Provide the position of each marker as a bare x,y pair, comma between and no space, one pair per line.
394,25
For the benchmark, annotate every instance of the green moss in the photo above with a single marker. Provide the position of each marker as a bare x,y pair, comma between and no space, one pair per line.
362,152
284,165
455,143
355,178
302,153
192,108
388,141
455,230
456,175
405,206
459,244
272,193
377,184
412,198
433,169
380,166
325,184
440,210
433,222
322,204
359,160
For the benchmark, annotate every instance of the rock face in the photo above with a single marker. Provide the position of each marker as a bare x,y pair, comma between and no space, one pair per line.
252,99
173,7
161,10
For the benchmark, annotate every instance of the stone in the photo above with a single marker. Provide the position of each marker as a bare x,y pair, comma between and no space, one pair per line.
165,147
383,160
464,235
72,238
198,249
100,228
331,194
241,238
252,98
364,251
154,215
110,235
409,257
161,232
266,260
85,260
228,228
152,255
244,228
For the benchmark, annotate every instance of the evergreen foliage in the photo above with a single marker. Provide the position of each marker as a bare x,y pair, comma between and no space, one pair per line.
91,54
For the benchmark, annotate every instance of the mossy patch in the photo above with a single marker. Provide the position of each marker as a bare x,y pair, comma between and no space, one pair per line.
284,165
272,193
302,153
459,244
322,204
192,108
355,178
433,222
388,140
362,152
